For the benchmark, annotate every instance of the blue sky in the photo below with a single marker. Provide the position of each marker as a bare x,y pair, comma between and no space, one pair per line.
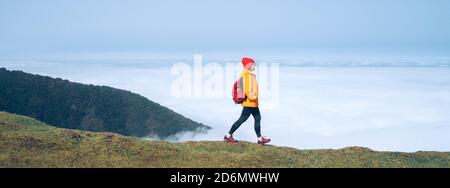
351,26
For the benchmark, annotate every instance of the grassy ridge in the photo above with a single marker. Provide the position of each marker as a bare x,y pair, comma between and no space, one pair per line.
26,142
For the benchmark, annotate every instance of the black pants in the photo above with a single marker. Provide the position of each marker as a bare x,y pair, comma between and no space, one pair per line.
246,111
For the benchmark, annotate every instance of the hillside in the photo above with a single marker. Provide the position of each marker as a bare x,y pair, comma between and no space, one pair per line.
26,142
87,107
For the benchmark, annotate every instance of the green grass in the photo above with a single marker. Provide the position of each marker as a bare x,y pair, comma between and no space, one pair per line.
26,142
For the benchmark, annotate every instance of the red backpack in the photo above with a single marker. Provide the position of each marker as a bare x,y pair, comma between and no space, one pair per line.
238,93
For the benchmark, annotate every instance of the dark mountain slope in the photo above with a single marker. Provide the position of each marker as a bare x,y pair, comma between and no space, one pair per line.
87,107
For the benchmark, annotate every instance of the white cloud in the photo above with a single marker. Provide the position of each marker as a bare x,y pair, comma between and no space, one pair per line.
393,108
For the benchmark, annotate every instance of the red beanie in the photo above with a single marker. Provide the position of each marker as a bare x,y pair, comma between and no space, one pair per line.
247,60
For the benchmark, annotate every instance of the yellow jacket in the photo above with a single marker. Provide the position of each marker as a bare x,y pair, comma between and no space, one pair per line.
250,88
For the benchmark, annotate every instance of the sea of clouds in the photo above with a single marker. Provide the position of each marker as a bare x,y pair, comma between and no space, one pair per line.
395,106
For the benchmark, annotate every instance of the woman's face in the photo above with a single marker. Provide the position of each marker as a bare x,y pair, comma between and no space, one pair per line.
250,66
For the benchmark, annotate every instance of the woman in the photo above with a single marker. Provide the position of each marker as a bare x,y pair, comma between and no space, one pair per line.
250,105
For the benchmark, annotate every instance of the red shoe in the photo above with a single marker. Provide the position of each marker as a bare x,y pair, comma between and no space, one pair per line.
264,140
230,139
